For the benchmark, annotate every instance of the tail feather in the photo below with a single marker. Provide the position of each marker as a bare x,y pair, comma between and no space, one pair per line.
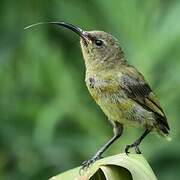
163,124
163,127
163,131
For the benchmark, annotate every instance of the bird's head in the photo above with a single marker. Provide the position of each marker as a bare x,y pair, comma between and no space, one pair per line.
100,49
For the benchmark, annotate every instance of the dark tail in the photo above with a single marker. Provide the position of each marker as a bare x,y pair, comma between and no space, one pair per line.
163,126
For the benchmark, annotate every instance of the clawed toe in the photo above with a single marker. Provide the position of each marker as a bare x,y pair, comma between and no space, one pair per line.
137,149
127,149
86,164
135,146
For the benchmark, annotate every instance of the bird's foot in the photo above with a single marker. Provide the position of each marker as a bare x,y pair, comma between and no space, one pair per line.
86,164
135,146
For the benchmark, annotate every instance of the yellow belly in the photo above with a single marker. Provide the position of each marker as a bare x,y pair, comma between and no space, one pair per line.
114,105
116,109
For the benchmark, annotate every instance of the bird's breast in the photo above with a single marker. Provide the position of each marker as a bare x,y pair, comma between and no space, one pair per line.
108,95
102,89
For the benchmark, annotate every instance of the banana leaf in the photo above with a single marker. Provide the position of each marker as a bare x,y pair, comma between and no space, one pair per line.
117,167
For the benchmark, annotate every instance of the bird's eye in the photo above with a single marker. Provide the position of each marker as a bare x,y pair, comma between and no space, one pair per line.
98,42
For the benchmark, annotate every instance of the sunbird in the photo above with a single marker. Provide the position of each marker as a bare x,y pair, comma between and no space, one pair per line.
118,88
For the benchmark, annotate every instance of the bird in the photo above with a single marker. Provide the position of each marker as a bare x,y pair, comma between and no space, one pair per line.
119,89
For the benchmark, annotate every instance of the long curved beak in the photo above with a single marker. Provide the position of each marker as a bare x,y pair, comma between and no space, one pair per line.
76,29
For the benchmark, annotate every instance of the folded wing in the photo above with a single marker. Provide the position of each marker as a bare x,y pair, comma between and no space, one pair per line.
136,88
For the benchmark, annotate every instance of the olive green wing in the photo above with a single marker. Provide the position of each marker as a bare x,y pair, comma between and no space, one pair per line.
136,88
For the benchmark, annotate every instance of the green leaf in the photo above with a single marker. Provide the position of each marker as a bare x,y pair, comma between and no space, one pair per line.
118,167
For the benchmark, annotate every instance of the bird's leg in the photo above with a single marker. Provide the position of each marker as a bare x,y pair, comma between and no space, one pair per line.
136,144
118,129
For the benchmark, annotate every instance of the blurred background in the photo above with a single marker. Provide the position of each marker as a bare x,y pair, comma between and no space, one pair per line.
48,121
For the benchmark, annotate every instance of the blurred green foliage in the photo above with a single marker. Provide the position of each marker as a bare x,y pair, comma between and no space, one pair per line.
49,123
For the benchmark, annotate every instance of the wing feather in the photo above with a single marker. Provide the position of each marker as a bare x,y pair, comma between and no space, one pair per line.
137,89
